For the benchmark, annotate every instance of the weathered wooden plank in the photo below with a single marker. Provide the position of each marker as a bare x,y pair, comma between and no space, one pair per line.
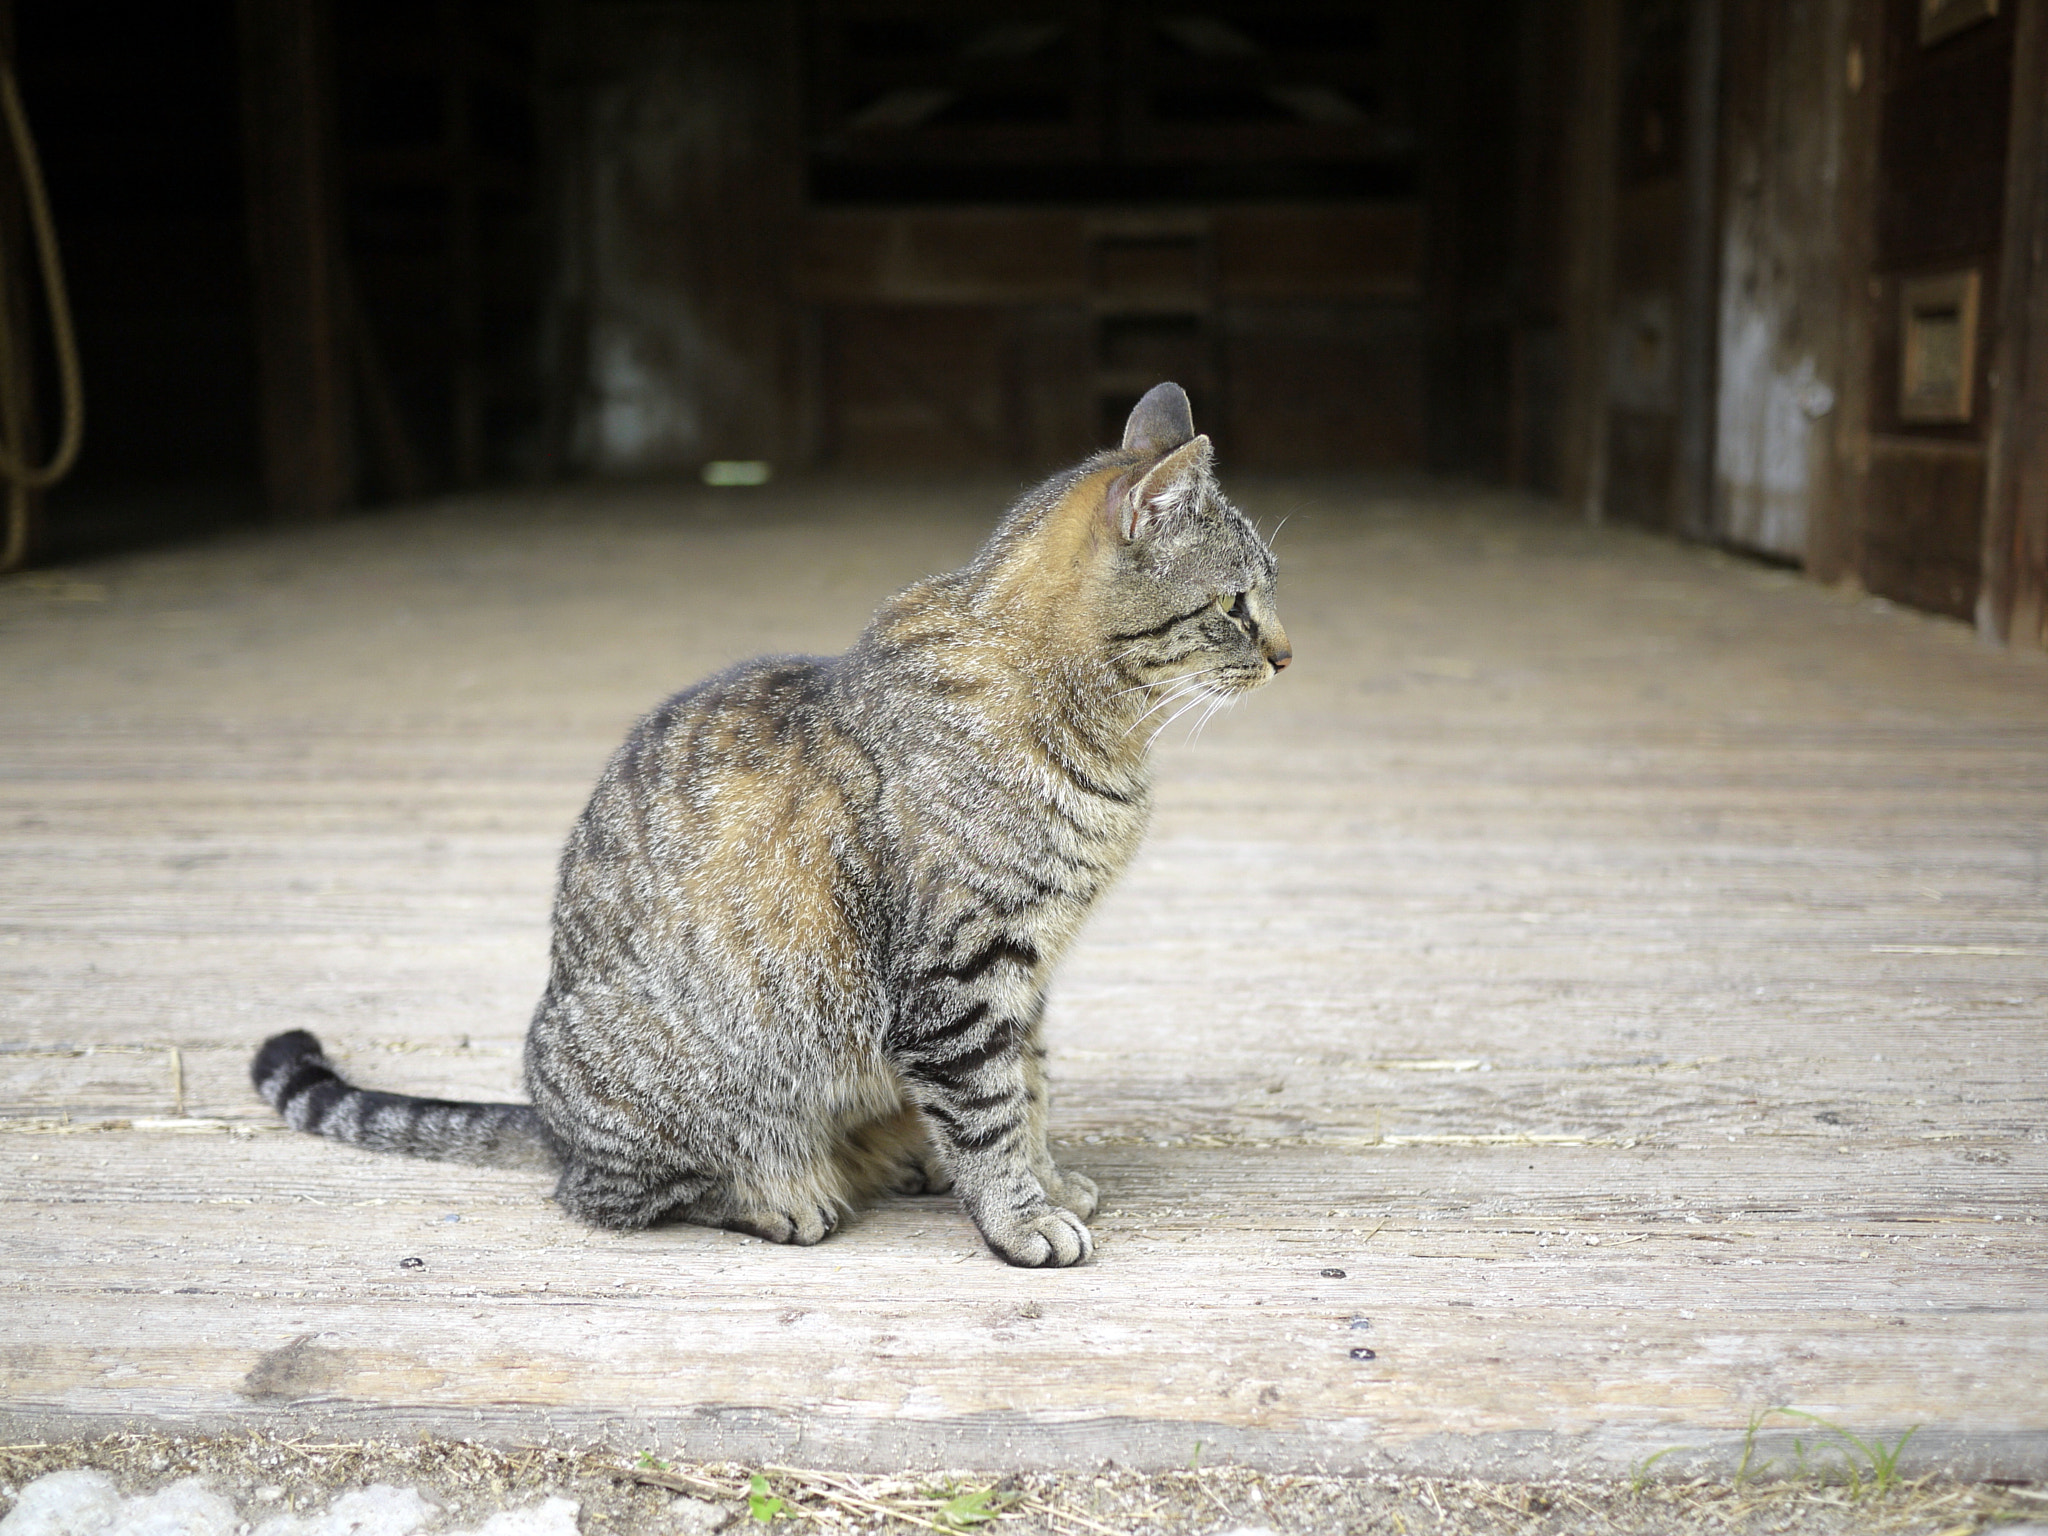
1643,949
1621,1333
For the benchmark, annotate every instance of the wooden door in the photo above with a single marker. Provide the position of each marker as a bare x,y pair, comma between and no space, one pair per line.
1944,76
1782,254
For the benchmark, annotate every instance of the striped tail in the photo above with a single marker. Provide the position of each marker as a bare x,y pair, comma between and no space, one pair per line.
295,1079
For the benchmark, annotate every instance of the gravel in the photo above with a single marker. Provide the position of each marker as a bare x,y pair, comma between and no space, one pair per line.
149,1485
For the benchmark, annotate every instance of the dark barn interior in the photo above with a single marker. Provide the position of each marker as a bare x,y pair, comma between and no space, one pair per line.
1681,263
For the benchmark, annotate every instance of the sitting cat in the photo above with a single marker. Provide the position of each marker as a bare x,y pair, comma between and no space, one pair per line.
805,927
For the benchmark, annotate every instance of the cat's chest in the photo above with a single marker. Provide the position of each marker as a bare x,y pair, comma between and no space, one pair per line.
1082,845
1110,829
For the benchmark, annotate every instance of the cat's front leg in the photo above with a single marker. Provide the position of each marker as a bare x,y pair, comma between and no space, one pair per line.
1072,1190
968,1075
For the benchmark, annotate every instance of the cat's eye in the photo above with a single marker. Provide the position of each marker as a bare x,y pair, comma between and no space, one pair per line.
1240,610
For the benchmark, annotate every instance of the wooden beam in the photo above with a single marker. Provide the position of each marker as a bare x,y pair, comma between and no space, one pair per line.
1589,257
1835,528
2012,603
1699,273
295,247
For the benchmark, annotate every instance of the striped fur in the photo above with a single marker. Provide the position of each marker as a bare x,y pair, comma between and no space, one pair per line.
805,926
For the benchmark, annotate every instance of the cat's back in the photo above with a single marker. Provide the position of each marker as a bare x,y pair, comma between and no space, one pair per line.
743,794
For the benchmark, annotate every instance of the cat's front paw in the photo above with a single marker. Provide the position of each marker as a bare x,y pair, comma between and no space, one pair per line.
1047,1237
1076,1193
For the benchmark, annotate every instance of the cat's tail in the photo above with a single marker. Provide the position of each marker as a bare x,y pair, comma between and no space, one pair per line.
295,1079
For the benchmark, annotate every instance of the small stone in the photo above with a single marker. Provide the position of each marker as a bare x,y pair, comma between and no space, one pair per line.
187,1508
1360,1323
1332,1274
695,1516
412,1263
1362,1353
70,1503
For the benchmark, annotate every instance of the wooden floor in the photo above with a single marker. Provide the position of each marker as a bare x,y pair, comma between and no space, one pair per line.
1599,994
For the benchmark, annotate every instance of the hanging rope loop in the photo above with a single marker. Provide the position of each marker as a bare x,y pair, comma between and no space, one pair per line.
22,477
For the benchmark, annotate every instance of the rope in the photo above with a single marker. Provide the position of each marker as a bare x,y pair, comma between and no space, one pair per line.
22,479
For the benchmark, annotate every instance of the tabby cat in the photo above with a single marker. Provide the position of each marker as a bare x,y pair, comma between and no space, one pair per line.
805,927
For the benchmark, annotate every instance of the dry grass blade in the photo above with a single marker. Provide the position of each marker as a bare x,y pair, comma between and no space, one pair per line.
908,1508
675,1482
1210,1494
892,1512
1079,1519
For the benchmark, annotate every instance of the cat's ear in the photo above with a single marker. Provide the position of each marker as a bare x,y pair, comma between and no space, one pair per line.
1161,421
1173,484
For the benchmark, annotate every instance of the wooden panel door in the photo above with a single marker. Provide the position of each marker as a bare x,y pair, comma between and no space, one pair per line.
1782,254
1945,82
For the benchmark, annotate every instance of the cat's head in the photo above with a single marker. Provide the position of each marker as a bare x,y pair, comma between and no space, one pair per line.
1186,594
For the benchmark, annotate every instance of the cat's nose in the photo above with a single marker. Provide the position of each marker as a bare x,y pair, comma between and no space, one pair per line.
1273,641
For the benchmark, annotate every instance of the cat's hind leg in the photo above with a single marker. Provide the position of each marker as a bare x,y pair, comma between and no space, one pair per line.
892,1156
625,1198
803,1206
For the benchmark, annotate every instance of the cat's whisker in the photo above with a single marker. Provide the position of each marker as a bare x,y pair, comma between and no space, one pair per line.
1157,705
1154,737
1221,703
1157,682
1176,679
1191,704
1178,689
1172,697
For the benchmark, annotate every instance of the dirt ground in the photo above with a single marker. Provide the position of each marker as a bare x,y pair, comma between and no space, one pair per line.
264,1476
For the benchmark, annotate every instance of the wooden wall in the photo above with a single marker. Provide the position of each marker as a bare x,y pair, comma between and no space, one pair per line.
1937,162
1942,166
911,236
2013,601
685,186
1737,298
955,336
392,174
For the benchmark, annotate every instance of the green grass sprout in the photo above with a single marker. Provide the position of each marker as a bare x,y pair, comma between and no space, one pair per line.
762,1504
